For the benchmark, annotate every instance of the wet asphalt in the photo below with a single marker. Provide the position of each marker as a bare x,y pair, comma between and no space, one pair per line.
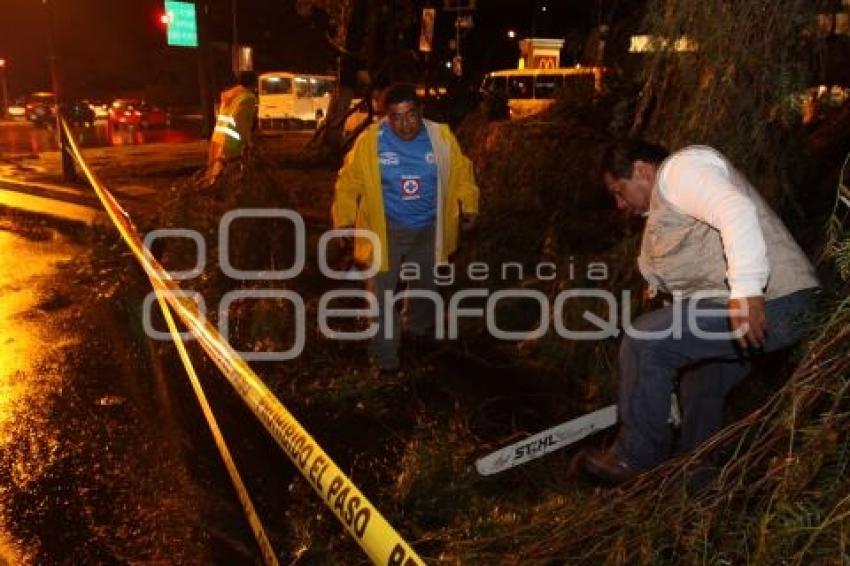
94,468
104,455
22,137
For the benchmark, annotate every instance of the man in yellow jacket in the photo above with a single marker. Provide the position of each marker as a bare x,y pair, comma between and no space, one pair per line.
234,124
406,181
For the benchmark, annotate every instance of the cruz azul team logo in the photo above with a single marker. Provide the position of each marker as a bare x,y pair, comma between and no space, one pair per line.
411,187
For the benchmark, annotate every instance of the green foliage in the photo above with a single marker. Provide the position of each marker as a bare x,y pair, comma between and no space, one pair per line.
739,90
780,493
838,227
338,12
253,245
542,202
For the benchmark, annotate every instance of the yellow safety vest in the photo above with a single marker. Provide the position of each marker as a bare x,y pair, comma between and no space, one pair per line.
234,122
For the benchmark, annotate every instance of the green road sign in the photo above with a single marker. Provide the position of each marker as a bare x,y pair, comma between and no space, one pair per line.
182,24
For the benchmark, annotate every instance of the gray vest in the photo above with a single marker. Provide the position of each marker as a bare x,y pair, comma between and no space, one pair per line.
680,254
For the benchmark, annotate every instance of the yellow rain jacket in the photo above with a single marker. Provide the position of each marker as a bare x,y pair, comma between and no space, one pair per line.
359,199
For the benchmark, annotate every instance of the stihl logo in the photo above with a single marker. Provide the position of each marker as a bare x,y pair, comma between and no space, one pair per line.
534,447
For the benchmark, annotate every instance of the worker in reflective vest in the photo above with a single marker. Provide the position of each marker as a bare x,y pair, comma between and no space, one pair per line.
234,124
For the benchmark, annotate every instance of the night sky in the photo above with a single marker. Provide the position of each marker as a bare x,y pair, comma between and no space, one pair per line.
109,48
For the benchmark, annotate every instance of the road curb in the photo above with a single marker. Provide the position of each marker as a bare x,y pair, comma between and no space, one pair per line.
66,208
71,228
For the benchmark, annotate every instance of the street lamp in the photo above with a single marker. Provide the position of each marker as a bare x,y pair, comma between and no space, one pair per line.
512,35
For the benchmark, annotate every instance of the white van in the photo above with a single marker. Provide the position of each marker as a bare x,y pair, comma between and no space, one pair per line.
529,91
286,98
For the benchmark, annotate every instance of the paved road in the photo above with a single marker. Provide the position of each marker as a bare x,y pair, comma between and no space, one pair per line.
93,452
21,137
104,457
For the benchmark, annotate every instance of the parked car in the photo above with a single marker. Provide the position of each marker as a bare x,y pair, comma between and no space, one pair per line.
137,114
78,113
18,109
101,109
41,108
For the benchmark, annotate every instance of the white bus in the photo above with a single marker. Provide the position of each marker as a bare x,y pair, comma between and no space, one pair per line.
529,91
289,98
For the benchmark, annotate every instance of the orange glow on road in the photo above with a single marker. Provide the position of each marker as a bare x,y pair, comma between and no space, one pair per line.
20,345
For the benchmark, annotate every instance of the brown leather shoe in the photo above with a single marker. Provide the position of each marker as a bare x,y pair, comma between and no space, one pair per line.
609,467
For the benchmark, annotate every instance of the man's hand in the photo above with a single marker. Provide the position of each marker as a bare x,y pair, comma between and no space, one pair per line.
747,317
468,224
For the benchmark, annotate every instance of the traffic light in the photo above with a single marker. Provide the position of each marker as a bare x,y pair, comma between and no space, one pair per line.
2,63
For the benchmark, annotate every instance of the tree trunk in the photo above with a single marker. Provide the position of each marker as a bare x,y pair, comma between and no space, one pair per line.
348,41
334,136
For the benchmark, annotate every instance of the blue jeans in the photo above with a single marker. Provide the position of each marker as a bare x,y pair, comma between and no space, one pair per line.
708,369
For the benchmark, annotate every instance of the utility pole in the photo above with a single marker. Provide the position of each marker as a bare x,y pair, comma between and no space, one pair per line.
186,26
234,49
463,20
68,171
458,67
534,20
207,120
5,88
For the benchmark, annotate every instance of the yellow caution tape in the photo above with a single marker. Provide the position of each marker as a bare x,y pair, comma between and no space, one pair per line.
269,556
361,519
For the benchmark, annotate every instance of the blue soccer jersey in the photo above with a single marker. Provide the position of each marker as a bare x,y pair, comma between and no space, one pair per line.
408,178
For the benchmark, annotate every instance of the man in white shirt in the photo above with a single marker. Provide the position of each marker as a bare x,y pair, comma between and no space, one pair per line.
708,234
